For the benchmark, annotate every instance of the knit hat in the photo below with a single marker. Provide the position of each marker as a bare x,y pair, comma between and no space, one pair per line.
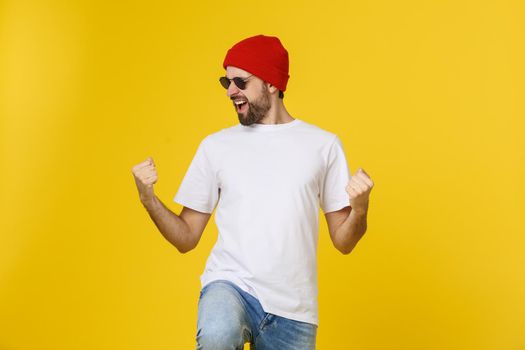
263,56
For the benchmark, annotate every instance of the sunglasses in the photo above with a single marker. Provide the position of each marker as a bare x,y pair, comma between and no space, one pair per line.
239,82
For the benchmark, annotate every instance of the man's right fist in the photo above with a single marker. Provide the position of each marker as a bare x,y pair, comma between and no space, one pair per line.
145,176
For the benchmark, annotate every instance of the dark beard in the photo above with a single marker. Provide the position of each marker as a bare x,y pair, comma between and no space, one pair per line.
256,110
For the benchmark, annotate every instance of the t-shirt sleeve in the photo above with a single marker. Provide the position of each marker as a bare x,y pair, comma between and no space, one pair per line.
199,189
333,195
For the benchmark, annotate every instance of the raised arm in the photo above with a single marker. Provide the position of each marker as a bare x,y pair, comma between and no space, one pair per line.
348,225
183,231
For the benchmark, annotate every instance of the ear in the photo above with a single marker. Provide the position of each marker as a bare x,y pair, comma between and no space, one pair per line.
271,88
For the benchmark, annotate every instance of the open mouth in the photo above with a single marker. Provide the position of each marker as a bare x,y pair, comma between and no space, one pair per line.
241,105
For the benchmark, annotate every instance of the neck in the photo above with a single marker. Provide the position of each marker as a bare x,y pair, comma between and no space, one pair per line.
277,114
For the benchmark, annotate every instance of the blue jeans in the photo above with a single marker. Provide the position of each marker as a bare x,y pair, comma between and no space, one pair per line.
228,317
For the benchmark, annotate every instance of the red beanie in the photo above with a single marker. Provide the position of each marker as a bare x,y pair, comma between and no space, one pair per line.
263,56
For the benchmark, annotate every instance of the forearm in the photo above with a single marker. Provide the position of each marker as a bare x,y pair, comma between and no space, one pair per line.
172,227
351,231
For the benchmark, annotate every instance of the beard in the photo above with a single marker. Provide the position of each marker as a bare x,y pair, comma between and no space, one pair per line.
257,109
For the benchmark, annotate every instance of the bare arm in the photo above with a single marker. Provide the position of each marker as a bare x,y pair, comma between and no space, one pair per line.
183,231
346,227
349,224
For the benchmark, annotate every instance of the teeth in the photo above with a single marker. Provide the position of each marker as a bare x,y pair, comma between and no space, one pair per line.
239,102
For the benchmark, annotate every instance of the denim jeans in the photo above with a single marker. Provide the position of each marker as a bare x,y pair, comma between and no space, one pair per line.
228,317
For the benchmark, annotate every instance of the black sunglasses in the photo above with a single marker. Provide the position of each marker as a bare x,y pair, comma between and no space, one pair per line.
239,82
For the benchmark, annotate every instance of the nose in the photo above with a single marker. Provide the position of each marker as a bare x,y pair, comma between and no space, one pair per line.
232,89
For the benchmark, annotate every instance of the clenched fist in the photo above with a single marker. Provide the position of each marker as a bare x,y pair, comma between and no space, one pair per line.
145,177
358,189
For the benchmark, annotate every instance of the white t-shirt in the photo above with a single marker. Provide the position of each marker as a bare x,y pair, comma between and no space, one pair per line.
267,182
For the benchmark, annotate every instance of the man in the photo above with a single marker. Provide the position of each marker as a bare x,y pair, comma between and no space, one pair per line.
267,177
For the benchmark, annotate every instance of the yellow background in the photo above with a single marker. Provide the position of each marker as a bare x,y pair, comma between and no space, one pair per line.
426,96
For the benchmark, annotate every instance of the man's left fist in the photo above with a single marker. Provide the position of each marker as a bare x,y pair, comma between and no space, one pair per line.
358,189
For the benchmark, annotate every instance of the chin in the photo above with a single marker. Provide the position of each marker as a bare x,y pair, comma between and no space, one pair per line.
243,120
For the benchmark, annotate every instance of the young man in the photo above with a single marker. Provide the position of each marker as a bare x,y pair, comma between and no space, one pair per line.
267,176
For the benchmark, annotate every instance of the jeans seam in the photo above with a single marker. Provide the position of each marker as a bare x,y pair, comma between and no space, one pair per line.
262,325
263,321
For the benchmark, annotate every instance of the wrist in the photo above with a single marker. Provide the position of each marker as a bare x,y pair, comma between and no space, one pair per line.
360,211
149,202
